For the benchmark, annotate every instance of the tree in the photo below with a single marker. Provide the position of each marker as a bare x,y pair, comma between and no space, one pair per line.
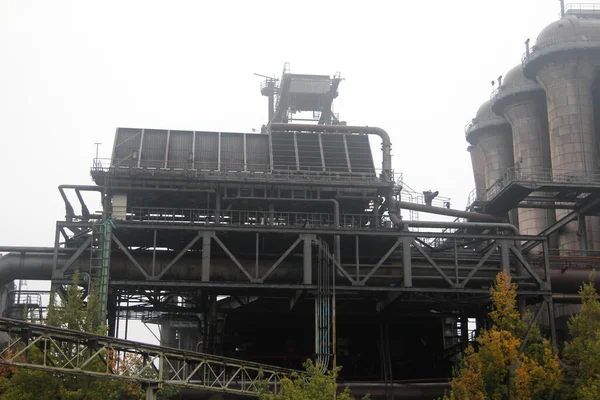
25,384
316,384
501,368
582,353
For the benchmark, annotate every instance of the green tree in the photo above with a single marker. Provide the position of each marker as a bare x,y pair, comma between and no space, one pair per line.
315,384
582,353
499,369
75,314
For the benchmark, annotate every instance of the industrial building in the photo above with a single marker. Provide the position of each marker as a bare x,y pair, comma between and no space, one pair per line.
289,243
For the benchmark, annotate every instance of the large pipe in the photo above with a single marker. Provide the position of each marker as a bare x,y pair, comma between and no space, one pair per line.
386,144
450,212
459,225
39,267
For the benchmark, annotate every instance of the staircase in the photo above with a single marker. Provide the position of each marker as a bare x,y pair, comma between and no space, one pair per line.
100,262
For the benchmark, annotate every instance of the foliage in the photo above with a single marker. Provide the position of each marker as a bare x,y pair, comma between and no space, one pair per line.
25,384
500,369
582,352
316,384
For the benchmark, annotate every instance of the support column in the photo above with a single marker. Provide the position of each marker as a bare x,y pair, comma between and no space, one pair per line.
406,261
206,241
307,259
504,257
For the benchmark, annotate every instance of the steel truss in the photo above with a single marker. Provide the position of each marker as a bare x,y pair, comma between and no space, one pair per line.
60,350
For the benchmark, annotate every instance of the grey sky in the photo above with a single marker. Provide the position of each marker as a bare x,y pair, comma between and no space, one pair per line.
73,71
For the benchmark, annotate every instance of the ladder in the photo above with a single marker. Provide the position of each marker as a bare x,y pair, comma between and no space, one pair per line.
100,250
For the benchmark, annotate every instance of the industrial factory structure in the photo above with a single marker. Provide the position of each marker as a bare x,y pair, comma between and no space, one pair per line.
286,244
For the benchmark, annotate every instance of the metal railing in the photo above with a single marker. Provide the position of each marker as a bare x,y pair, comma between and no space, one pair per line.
582,8
248,170
68,351
249,218
539,176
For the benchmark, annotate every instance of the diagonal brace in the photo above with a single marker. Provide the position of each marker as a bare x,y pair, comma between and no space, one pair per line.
433,264
131,258
178,256
235,260
380,263
280,259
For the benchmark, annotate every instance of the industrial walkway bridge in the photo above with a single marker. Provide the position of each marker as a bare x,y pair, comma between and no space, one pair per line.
74,352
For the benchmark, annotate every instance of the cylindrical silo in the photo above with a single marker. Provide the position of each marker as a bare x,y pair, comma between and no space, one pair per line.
564,62
478,165
523,103
491,134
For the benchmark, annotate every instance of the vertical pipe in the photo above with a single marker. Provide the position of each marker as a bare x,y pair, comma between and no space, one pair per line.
206,239
357,259
256,261
550,304
307,261
456,262
406,261
333,315
504,257
154,254
582,235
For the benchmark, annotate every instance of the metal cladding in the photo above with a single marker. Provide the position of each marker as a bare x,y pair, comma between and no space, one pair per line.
491,133
564,61
522,102
320,152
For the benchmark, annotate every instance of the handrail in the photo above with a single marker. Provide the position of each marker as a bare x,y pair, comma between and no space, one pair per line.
249,170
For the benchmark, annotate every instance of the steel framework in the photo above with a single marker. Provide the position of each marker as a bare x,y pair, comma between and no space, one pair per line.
65,351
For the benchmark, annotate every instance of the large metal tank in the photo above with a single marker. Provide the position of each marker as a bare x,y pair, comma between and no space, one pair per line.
564,61
478,165
492,135
523,103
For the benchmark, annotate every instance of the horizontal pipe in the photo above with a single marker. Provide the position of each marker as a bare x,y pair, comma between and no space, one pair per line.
25,249
450,212
459,225
386,144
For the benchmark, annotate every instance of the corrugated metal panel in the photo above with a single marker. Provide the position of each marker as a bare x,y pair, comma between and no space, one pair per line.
180,149
232,152
127,141
334,153
284,151
309,152
257,152
206,150
153,148
359,150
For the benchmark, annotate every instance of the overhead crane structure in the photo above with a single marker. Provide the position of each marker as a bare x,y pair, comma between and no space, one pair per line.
288,244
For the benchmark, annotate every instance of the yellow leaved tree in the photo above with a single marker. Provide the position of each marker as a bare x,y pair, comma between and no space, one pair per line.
502,367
